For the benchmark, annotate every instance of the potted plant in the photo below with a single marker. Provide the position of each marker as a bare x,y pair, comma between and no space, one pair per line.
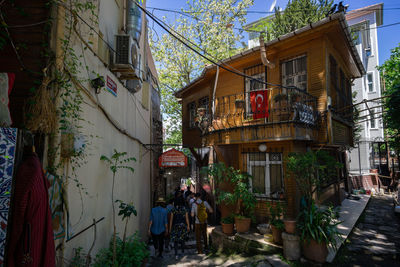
318,230
277,225
227,225
317,227
290,225
281,112
240,195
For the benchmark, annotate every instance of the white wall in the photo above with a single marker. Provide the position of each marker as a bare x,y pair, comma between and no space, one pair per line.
127,111
360,86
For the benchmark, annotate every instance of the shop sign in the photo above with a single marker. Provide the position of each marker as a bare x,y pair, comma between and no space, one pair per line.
111,86
172,158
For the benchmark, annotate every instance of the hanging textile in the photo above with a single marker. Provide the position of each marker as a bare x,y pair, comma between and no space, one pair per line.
31,241
8,137
6,84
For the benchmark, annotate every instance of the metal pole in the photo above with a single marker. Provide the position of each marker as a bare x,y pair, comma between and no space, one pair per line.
359,157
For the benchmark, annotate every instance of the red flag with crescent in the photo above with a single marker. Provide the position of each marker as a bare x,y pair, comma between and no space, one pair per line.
259,104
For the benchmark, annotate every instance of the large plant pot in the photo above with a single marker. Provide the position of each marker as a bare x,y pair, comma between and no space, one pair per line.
227,228
290,226
315,251
276,234
242,224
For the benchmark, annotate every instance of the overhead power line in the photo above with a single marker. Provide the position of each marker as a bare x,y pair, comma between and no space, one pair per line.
213,61
188,14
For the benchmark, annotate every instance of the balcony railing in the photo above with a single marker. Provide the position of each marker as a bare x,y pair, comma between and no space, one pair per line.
268,107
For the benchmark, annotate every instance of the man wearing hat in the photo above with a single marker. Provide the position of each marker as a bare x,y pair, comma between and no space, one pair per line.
158,226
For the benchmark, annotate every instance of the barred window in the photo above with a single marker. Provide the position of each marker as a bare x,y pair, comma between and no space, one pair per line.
203,103
266,170
192,114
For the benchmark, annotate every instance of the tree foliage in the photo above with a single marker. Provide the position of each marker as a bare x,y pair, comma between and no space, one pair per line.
390,71
297,14
208,23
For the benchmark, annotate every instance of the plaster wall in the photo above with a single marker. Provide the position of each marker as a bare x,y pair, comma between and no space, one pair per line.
360,86
131,113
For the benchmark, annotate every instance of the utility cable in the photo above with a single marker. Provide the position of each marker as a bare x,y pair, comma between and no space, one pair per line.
185,13
203,56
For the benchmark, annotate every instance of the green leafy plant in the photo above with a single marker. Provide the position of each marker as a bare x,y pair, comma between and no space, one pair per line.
318,224
117,161
241,195
126,211
276,210
131,253
280,97
79,258
312,171
227,220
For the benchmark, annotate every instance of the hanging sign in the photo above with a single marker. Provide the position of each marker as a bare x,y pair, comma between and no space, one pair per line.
111,86
172,158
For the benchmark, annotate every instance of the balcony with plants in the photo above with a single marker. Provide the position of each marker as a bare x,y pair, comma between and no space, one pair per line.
275,113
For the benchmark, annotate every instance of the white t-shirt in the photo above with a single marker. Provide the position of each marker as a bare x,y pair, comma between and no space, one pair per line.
194,208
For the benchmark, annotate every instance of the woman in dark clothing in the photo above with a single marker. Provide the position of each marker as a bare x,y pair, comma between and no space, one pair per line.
179,225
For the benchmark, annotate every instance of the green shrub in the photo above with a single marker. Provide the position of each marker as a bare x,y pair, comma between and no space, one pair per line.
131,254
318,224
227,220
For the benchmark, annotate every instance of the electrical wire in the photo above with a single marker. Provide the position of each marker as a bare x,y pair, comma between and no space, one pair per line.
213,61
185,13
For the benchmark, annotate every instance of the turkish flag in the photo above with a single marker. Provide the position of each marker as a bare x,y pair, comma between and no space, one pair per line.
259,104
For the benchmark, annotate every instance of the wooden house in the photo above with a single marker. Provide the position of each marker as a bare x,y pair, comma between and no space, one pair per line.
253,115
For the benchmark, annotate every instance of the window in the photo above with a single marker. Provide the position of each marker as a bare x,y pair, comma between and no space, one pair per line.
372,114
192,114
203,103
253,85
294,72
370,82
266,169
361,35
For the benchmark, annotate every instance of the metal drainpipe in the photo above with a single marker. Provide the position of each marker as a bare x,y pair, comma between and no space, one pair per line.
359,158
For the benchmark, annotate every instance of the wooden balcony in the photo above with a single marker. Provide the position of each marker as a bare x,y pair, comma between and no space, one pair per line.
271,114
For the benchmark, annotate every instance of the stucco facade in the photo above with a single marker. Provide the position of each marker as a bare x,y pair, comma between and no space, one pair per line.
363,22
124,121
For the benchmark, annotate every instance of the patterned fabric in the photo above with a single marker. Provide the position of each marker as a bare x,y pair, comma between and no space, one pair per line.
179,231
8,138
56,205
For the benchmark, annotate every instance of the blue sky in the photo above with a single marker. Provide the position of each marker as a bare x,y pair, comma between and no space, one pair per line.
388,37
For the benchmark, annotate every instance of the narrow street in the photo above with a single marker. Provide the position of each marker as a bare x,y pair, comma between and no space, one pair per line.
375,241
191,258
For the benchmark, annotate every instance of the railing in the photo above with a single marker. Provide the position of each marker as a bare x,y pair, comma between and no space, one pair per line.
271,106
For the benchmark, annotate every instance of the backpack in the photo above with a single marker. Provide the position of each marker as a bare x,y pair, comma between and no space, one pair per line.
201,212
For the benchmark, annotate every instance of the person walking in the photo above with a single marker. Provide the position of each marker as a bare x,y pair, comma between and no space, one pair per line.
169,208
199,211
158,226
179,225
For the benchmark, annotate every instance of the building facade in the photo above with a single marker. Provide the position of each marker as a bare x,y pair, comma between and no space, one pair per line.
363,23
297,107
93,62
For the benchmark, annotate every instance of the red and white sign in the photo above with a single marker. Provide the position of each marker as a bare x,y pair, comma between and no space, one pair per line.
259,104
172,158
111,86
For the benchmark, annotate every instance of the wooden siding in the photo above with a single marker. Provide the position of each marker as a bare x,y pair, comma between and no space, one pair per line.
317,45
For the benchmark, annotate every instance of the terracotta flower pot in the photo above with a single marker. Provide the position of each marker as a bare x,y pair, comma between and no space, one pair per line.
227,228
315,251
276,234
290,226
242,224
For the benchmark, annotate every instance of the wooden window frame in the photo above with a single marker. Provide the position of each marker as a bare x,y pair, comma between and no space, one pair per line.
267,164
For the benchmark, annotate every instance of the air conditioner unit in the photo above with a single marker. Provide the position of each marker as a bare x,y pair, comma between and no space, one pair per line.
126,58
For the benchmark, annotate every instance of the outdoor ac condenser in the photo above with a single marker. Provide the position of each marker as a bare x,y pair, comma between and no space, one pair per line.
126,58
